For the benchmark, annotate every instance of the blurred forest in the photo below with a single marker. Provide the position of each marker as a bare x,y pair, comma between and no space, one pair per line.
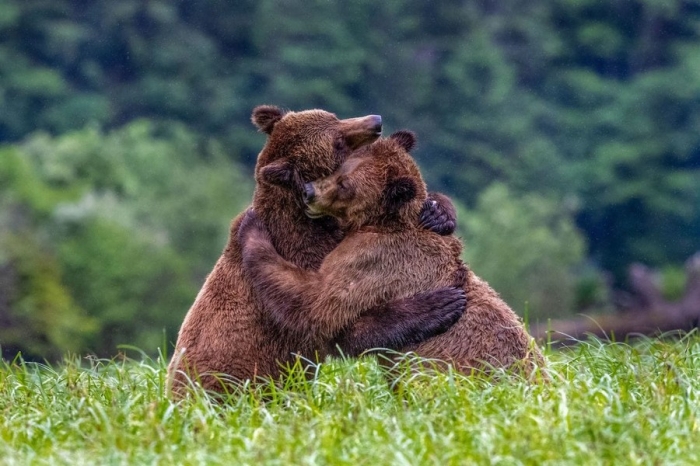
568,131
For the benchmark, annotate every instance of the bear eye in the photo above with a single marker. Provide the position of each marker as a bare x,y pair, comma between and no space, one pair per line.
344,189
343,185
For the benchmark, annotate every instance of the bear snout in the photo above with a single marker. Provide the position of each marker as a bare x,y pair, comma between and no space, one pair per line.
361,131
309,193
376,121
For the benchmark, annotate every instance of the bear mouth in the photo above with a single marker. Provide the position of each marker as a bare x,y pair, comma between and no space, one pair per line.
313,214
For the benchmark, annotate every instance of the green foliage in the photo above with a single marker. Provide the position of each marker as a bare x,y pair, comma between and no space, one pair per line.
40,317
592,291
673,282
20,186
110,235
160,180
37,314
593,102
606,404
590,99
135,289
526,247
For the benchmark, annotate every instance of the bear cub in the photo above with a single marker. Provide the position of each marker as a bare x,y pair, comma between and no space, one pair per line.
376,197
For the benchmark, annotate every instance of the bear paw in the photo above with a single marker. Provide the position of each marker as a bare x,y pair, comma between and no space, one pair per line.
439,215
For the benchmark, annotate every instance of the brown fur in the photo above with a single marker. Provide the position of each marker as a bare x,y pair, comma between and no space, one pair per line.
225,331
376,196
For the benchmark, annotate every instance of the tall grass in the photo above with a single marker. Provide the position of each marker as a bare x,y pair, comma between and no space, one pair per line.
606,404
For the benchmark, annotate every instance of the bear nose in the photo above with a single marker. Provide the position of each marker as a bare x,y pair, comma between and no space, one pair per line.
377,122
309,193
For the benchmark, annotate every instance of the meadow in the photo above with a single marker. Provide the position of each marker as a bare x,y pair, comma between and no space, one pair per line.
607,403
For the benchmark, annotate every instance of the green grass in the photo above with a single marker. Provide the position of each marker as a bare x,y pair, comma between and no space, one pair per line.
606,404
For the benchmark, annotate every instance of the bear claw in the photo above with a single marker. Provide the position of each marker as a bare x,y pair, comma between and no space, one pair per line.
437,218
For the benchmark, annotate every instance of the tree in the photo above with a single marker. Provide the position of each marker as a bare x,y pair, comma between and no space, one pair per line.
526,247
117,231
38,315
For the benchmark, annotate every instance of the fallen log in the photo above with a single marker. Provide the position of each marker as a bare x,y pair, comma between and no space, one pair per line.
644,312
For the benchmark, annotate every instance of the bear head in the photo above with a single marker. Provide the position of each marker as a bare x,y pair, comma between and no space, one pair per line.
307,145
378,185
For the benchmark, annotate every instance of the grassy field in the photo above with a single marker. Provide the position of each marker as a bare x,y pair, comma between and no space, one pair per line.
607,404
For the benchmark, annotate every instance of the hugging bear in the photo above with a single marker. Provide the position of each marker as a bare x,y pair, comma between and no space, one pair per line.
226,336
376,197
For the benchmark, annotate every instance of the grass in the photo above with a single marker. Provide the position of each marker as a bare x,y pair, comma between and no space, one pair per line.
607,404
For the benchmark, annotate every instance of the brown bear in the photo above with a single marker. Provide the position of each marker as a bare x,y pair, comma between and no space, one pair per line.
376,197
225,334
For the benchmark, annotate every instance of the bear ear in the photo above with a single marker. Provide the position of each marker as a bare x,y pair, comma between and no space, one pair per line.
265,116
405,138
280,173
400,191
